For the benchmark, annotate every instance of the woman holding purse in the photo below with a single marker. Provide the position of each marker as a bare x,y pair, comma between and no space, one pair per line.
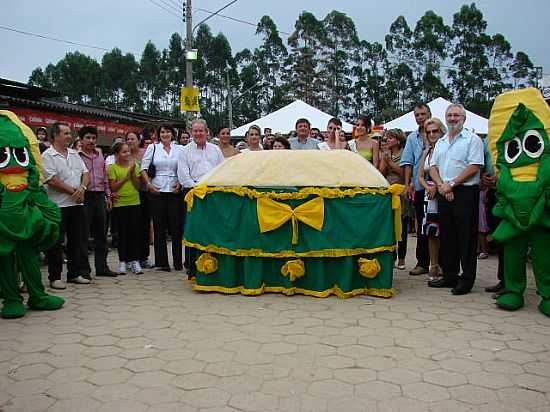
159,172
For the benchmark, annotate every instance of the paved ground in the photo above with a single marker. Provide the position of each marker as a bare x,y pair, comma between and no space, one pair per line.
150,343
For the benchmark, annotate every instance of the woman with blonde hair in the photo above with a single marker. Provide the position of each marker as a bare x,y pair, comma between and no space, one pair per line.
434,130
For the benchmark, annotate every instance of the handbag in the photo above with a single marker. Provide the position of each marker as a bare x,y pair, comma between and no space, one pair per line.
152,169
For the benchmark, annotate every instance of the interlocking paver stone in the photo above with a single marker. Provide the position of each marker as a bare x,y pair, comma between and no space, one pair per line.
150,343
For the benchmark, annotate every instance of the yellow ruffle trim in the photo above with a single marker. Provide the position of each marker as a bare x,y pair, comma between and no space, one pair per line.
289,253
382,293
325,192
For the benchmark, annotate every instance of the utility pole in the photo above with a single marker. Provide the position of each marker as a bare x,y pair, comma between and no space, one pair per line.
189,47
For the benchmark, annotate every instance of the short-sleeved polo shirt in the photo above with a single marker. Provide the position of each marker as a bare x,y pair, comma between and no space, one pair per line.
310,144
412,153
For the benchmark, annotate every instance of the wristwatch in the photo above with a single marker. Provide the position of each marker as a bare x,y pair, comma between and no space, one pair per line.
84,187
452,183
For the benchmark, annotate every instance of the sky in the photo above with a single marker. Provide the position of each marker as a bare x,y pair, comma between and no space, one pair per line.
129,24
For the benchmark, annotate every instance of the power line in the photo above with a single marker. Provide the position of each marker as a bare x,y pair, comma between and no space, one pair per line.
235,19
170,5
170,11
177,5
42,36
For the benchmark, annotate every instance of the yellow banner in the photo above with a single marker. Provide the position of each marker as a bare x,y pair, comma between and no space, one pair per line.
189,99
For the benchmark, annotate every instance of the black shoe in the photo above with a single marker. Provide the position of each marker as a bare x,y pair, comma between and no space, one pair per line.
460,290
107,273
165,268
441,283
178,268
89,277
495,288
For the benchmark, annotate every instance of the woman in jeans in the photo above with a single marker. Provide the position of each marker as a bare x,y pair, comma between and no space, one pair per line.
166,198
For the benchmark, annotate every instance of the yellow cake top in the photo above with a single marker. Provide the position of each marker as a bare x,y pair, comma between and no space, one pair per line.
284,168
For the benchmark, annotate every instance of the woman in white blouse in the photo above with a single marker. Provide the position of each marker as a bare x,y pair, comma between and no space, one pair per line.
166,198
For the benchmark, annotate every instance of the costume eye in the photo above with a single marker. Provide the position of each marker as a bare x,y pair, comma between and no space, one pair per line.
5,156
533,145
512,149
21,155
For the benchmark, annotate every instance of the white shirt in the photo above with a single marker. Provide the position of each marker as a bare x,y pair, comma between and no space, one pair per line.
451,158
166,164
109,160
69,170
194,163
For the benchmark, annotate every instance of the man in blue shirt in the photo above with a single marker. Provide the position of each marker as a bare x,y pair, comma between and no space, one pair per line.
410,161
302,141
455,167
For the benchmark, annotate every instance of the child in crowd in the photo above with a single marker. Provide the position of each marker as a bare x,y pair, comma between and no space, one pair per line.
483,226
124,181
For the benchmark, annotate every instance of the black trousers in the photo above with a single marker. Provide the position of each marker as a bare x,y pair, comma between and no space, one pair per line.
402,244
73,226
422,250
493,223
145,224
458,234
96,222
128,219
168,212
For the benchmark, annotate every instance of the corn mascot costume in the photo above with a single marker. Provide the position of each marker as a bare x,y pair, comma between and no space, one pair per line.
29,221
519,127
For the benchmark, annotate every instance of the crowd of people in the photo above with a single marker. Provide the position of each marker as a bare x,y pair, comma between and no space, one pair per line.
139,189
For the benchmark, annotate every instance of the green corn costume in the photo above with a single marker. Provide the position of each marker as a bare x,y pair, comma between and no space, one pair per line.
518,131
29,221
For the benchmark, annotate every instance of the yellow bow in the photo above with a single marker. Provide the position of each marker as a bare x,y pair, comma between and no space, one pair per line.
396,190
199,191
272,215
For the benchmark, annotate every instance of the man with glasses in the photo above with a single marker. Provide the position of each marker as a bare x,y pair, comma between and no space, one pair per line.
410,161
455,168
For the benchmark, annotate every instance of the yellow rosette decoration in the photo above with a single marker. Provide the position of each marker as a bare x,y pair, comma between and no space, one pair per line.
293,269
272,215
369,268
206,263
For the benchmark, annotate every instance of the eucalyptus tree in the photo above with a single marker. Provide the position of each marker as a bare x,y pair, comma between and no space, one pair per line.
270,58
469,54
500,58
431,39
340,42
119,80
304,62
523,71
400,65
149,74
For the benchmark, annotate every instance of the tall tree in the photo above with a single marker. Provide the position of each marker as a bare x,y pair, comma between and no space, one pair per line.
340,42
270,57
149,71
303,64
500,58
523,72
430,43
119,80
469,54
175,63
400,85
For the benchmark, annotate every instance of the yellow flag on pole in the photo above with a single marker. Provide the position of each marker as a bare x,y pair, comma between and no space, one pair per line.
189,99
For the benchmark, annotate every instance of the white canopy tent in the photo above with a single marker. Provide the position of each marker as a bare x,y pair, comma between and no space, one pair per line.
284,119
407,123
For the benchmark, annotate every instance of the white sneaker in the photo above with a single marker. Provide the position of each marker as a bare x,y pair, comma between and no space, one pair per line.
79,280
136,268
122,268
58,284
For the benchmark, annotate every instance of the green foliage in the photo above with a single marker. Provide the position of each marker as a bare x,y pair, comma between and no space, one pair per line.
324,63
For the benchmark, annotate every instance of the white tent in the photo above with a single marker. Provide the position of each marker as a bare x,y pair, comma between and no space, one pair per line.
407,123
284,119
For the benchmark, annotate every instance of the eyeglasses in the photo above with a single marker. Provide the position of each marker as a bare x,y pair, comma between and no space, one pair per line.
433,131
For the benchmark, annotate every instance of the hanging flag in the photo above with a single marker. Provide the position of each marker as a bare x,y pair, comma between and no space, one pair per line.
189,99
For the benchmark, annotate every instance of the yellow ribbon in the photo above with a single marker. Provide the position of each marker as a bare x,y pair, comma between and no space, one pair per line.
396,190
199,191
272,215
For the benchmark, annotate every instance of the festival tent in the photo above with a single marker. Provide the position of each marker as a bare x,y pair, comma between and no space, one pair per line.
284,119
407,123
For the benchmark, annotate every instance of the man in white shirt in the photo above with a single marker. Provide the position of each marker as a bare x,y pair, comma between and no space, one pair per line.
455,167
67,179
197,158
